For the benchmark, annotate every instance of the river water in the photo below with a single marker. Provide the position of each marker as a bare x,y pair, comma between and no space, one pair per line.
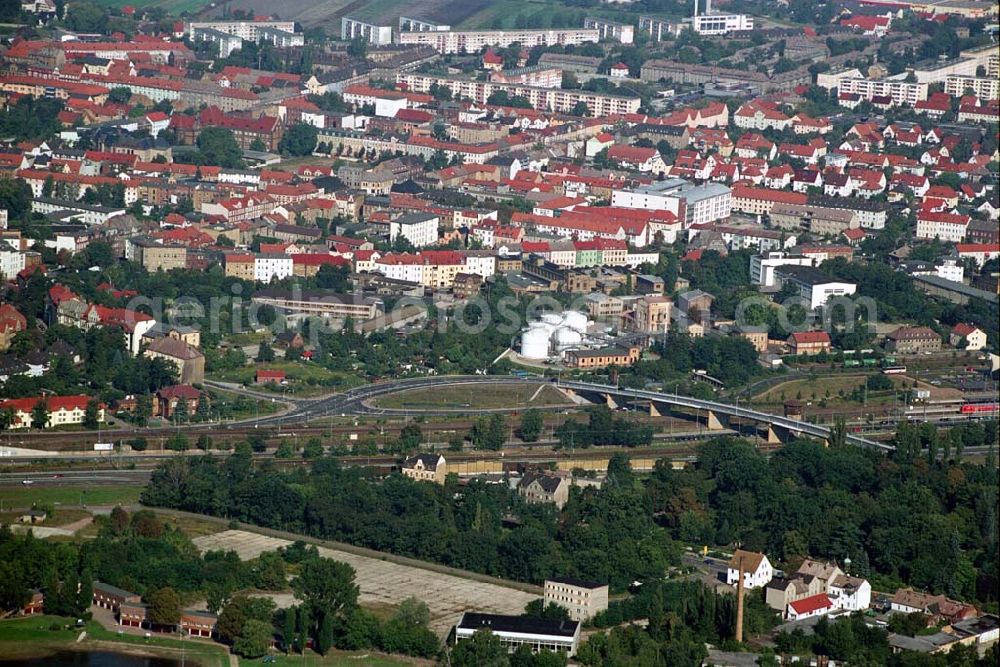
94,659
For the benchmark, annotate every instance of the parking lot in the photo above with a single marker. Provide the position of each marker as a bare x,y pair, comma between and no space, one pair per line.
384,583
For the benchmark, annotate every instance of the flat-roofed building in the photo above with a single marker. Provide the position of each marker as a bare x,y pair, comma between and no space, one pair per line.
538,634
582,599
321,303
602,358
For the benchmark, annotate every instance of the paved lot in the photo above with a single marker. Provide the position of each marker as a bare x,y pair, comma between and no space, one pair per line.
383,583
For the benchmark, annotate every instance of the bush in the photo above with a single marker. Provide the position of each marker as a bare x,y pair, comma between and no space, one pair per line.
138,444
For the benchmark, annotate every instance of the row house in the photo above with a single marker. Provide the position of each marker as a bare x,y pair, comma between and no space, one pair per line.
61,411
950,227
240,209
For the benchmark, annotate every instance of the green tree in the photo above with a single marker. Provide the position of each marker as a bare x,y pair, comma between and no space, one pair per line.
218,147
120,95
164,607
483,649
254,640
299,140
531,425
358,48
327,586
265,352
40,414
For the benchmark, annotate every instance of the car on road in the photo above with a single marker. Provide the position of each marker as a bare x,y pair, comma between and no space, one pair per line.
27,482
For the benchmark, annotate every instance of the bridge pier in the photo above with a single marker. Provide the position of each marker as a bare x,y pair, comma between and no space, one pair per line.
653,410
610,401
714,423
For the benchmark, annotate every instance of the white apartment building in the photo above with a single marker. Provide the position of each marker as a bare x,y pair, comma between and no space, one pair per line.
986,56
542,99
692,204
420,229
983,87
620,32
11,261
245,30
582,599
474,41
379,35
895,88
948,227
268,265
762,266
721,24
937,71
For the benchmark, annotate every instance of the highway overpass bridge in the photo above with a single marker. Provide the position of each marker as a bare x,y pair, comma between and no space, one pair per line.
717,414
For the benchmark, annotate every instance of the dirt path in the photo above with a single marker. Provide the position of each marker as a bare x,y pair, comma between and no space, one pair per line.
78,524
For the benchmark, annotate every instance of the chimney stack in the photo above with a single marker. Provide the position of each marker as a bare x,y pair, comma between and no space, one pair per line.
708,7
696,8
739,601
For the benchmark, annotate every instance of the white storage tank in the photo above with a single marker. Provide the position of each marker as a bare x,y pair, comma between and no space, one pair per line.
574,319
535,343
552,319
566,337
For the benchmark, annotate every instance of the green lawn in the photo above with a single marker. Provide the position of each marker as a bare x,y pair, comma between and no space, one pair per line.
305,379
39,494
173,7
335,659
484,398
31,636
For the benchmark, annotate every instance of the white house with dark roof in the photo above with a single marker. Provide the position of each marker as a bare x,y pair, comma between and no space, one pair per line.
757,569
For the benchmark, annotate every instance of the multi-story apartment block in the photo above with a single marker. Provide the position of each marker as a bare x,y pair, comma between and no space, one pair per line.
545,99
897,88
582,599
474,41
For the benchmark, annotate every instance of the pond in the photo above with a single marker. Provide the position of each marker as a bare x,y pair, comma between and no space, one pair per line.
94,659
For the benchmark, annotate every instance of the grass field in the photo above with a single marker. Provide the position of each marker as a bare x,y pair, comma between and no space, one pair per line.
173,7
817,388
483,398
338,659
304,379
23,497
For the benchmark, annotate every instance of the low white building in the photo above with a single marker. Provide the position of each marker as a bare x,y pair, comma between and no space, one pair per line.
815,605
813,285
514,631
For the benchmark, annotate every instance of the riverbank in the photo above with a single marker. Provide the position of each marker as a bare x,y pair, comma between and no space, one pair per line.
32,637
41,635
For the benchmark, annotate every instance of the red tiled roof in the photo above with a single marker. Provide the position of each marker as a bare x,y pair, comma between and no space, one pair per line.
811,604
801,337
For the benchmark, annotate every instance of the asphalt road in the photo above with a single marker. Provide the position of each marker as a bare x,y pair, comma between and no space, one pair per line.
75,478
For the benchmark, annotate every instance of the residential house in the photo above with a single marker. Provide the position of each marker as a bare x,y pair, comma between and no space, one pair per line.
426,468
544,488
189,361
974,338
757,569
809,342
